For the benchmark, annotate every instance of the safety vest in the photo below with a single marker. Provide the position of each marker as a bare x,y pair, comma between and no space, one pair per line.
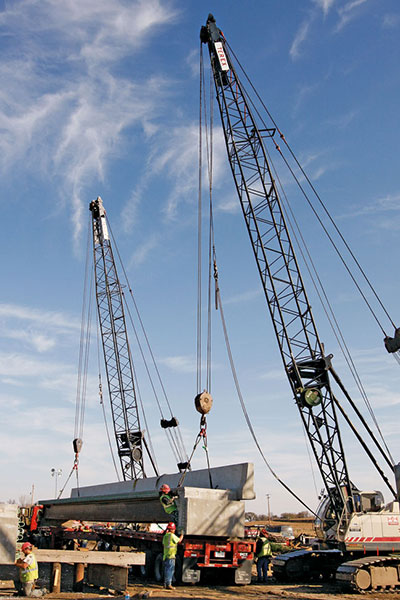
170,544
265,548
169,508
31,572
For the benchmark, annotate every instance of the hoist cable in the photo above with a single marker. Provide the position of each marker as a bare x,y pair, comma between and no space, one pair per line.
80,398
175,441
329,312
310,460
202,435
101,399
232,365
242,403
209,152
328,309
199,233
348,357
323,206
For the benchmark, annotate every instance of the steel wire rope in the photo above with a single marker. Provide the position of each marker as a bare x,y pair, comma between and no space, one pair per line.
176,442
83,346
355,374
209,146
102,401
83,358
310,460
329,312
199,234
203,421
323,206
232,365
240,396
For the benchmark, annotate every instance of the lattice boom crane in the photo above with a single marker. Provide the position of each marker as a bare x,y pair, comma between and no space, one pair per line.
117,355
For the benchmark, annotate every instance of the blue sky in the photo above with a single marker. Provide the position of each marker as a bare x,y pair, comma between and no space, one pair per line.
101,98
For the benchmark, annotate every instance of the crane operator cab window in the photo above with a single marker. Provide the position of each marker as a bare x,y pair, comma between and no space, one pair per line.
371,501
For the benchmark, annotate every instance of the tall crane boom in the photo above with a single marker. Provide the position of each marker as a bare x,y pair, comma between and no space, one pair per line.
302,351
117,354
354,524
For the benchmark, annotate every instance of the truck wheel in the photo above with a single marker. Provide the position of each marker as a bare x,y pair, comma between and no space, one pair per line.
146,570
158,567
177,578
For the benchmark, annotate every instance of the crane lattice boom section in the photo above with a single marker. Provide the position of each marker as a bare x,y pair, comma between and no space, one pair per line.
116,349
301,349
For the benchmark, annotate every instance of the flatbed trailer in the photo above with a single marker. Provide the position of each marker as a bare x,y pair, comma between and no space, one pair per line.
196,557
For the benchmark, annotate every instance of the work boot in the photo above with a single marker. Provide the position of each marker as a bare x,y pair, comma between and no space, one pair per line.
170,587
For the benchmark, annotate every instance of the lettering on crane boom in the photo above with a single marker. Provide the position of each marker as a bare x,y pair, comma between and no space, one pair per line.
221,56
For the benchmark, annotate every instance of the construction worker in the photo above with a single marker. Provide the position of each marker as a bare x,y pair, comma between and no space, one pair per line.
170,545
167,499
28,573
263,554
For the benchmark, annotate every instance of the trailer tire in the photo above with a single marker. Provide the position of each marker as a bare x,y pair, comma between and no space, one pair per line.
146,570
158,567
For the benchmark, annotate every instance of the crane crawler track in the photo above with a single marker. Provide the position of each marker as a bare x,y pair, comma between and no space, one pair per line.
370,574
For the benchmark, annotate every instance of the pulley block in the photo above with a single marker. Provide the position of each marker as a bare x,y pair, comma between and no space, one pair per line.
203,402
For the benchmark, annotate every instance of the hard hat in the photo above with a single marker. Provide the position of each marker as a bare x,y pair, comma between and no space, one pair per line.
165,488
171,526
26,546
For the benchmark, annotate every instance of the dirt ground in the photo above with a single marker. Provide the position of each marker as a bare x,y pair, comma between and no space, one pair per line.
138,590
249,592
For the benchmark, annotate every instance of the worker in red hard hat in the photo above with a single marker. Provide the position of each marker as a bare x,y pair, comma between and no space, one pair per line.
167,499
170,546
28,573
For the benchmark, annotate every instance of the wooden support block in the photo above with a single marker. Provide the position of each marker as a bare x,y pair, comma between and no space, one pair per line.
79,575
110,577
56,578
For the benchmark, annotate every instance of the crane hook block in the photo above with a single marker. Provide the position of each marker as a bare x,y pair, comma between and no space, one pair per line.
171,423
203,402
77,444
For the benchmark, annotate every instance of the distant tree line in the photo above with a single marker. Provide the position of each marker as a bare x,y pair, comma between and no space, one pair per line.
286,516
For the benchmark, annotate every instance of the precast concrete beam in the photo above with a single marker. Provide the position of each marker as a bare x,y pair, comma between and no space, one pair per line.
8,532
210,512
202,511
238,479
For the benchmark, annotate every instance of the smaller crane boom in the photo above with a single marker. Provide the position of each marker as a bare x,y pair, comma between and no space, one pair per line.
116,350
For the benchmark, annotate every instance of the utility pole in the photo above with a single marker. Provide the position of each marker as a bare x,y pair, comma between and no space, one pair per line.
269,512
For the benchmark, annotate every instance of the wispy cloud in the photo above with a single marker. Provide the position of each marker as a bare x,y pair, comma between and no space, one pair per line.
342,121
391,21
299,39
389,203
63,106
143,250
325,5
348,13
38,317
245,297
183,364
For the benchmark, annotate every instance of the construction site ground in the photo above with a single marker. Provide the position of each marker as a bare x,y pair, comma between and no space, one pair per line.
213,591
250,592
142,590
